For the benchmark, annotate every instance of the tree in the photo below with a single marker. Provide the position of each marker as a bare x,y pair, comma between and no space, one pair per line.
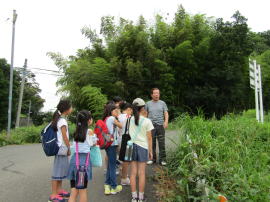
31,92
194,62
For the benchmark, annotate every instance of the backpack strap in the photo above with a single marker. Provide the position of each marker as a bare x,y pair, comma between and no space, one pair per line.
77,157
87,160
127,126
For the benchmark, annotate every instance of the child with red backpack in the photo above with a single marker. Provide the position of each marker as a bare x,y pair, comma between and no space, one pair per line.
108,127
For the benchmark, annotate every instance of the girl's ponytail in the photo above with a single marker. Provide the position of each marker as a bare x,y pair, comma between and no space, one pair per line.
62,106
82,125
56,117
136,114
137,104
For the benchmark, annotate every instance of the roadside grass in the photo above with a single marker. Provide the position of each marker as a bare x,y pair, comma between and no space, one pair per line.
233,159
26,135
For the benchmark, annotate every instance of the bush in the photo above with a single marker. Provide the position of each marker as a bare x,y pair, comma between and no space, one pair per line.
23,135
233,158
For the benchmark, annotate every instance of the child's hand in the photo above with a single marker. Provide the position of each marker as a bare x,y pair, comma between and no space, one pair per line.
91,133
68,153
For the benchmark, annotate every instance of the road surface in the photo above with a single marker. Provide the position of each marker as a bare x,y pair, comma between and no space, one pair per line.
25,177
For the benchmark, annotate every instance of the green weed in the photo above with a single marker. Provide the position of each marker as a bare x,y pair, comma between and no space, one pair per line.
233,158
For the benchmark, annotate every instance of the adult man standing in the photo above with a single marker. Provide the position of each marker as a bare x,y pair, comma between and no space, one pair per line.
158,114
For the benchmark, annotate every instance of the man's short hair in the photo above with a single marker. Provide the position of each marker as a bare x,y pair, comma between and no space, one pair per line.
152,90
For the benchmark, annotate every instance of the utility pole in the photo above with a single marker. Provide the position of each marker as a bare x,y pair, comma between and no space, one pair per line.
11,73
29,112
260,94
256,90
255,77
21,95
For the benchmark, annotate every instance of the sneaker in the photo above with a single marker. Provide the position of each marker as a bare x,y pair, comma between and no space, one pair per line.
64,194
142,200
163,163
150,162
134,200
56,199
125,182
107,189
117,189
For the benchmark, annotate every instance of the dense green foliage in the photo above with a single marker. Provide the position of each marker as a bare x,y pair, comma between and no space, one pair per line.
233,158
31,92
22,135
197,62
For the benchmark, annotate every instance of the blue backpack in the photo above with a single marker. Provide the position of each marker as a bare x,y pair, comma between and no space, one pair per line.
49,141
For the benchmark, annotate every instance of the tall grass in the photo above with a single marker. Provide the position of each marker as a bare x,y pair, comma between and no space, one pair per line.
233,158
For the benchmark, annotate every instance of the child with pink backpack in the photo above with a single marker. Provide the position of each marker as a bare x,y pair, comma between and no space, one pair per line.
80,168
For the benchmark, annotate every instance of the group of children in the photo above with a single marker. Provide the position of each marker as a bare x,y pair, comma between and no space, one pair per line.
126,123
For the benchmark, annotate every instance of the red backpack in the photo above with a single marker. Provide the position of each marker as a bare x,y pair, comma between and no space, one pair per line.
105,139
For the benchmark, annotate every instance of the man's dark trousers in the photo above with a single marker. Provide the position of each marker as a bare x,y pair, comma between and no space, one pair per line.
158,134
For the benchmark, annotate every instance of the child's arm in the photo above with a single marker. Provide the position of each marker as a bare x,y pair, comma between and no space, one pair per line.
92,139
65,138
118,124
149,137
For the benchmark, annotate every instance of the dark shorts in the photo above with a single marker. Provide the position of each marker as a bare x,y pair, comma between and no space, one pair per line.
139,154
125,139
72,183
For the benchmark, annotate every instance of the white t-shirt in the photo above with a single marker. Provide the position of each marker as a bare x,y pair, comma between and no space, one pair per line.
123,120
61,122
140,131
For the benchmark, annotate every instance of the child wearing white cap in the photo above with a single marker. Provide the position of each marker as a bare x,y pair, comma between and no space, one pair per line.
141,137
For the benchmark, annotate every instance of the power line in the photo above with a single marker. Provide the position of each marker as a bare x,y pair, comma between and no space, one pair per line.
45,70
48,74
54,73
42,69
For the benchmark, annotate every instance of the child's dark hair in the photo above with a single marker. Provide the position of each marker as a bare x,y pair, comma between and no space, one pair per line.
62,106
125,105
110,102
82,126
136,112
108,110
117,99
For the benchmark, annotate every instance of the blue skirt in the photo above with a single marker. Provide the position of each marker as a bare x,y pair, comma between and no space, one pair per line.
72,166
60,167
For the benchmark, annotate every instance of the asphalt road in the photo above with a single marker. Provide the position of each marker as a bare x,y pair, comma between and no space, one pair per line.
25,177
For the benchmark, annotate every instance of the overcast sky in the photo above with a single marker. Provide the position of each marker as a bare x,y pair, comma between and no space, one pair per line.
54,25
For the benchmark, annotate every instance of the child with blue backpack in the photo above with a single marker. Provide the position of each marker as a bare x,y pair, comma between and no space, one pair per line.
80,168
60,166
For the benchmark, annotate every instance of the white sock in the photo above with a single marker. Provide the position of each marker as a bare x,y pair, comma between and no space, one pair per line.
141,195
134,194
